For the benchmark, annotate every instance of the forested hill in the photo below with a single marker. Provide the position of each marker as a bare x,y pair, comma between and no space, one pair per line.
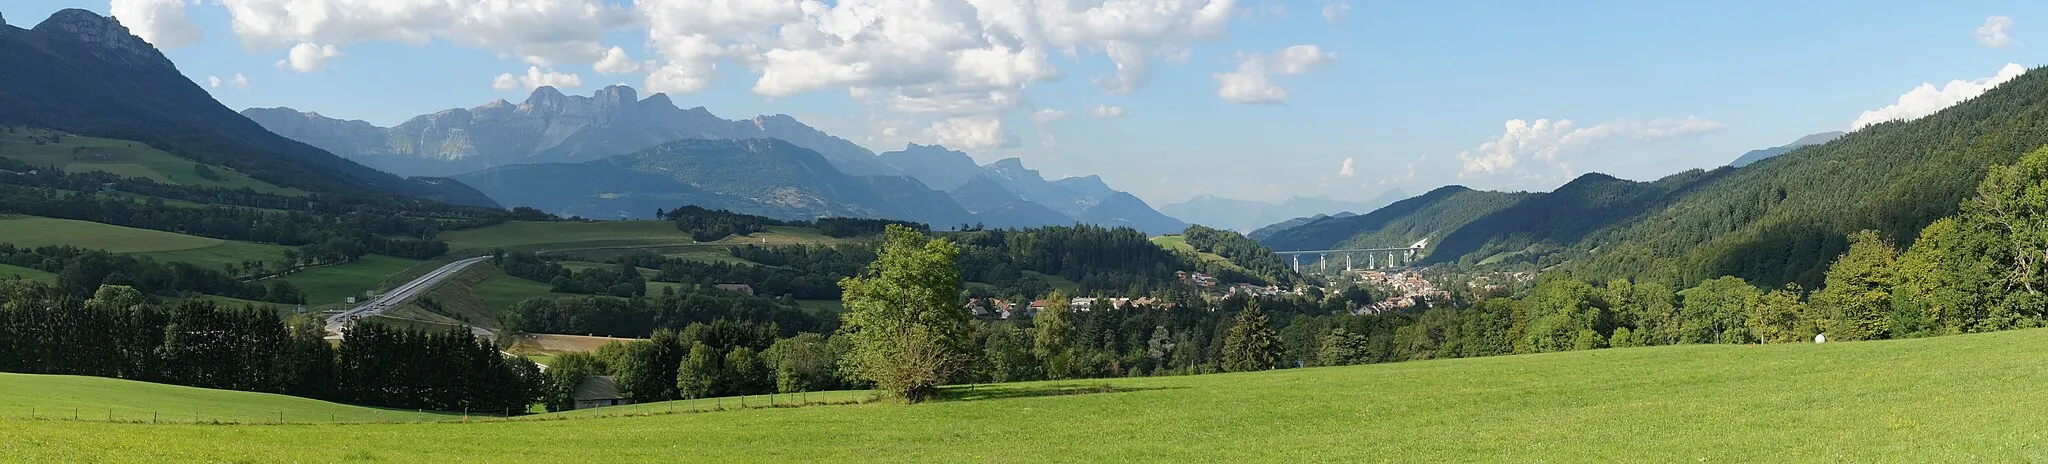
82,73
1778,221
1431,215
1783,219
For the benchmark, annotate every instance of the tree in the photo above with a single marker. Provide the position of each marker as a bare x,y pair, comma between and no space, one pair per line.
1341,348
803,363
1718,311
1857,299
904,316
745,374
697,377
1251,344
1775,316
566,372
1052,328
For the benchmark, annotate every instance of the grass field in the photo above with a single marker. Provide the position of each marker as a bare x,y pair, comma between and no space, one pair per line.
1970,398
1068,287
214,257
121,157
1180,243
331,284
521,236
41,231
7,272
23,396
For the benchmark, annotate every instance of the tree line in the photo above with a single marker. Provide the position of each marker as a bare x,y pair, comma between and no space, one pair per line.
118,332
80,272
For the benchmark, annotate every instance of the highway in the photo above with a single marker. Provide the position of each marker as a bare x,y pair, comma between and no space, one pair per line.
339,322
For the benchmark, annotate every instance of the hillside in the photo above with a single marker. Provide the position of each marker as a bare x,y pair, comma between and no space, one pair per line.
766,177
1754,156
1430,215
82,73
1547,222
1852,402
97,398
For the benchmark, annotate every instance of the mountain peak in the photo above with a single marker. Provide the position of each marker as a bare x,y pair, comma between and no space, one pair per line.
617,95
545,95
1011,163
103,31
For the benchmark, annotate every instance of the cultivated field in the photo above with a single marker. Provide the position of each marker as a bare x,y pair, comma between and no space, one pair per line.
28,396
519,236
332,284
34,231
121,157
1971,398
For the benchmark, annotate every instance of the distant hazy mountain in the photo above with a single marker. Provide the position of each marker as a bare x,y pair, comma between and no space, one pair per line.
82,73
1261,233
934,165
758,176
547,127
997,207
1246,215
1810,140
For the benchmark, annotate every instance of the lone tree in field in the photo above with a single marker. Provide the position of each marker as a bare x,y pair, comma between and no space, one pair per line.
1251,344
904,316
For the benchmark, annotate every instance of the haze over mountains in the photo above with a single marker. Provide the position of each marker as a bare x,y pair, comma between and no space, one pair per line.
1245,216
557,152
1768,153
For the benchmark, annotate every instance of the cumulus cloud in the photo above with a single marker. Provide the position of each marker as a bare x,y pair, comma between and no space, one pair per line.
307,57
240,81
162,23
1334,11
1047,115
1106,111
535,78
1926,99
213,81
976,133
1349,169
1994,32
615,61
1541,142
542,32
1252,82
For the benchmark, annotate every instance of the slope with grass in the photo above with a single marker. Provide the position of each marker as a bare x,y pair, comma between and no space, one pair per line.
333,284
529,236
74,153
31,231
1180,243
1970,398
26,396
8,272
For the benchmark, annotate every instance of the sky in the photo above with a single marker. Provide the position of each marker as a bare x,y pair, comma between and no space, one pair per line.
1168,99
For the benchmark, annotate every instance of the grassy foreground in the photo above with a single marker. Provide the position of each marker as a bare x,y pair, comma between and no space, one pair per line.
1972,398
27,396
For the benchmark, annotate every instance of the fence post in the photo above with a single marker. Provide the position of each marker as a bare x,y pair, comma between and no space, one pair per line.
74,413
152,417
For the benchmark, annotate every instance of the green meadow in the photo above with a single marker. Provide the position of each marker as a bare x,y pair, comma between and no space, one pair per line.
30,397
1969,398
123,158
564,235
332,284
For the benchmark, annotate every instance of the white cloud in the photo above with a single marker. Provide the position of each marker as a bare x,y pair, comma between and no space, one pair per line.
1925,99
240,81
975,133
1106,111
615,61
542,32
1994,32
307,57
162,23
1349,169
1252,82
1523,143
213,81
1334,11
1047,115
535,78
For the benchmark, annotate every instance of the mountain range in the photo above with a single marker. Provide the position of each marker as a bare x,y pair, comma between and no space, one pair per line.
1245,216
1767,153
557,152
82,73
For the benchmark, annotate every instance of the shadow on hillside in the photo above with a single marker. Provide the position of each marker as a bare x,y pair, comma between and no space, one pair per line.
999,391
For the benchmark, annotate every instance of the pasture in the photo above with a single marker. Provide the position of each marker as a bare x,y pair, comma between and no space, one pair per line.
123,158
31,396
332,284
1967,398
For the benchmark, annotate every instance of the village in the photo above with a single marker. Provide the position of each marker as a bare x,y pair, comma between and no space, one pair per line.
1396,290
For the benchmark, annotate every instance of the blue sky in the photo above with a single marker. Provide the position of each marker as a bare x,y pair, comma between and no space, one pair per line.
1414,95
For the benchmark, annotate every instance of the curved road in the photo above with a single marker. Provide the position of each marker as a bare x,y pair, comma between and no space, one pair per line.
339,322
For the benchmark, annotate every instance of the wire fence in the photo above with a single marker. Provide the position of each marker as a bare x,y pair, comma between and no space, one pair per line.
129,415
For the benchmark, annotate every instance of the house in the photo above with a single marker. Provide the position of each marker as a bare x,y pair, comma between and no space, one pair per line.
737,288
598,391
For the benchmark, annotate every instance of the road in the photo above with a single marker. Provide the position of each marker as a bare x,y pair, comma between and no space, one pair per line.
338,323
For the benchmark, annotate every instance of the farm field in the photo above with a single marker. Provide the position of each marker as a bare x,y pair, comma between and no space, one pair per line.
31,231
121,157
95,398
519,236
332,284
227,252
1180,243
1968,398
8,272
